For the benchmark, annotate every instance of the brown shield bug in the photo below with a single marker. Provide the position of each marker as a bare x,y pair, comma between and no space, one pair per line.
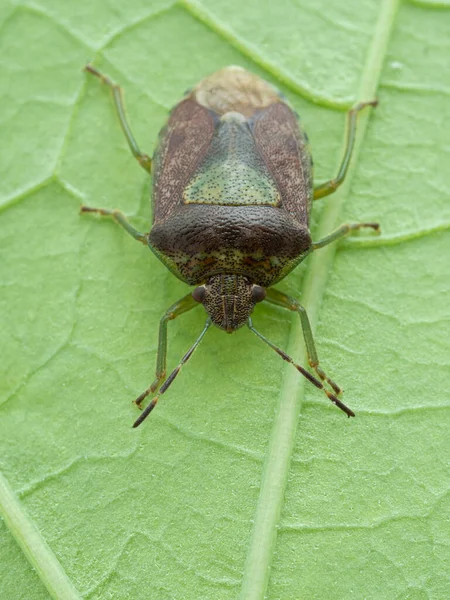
232,195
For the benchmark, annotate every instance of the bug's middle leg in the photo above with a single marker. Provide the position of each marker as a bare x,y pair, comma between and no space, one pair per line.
143,159
119,218
275,297
342,231
327,188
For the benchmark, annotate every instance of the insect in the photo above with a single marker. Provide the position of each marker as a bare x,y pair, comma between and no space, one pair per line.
232,190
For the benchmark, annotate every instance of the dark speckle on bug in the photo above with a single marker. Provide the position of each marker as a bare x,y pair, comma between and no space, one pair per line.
232,194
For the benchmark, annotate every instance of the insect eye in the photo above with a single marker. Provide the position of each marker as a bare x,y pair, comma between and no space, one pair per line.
199,294
258,293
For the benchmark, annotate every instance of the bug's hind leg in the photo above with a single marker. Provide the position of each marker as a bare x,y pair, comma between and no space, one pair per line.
327,188
120,218
143,159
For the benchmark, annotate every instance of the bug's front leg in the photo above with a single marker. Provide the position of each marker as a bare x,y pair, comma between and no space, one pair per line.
165,386
275,297
186,303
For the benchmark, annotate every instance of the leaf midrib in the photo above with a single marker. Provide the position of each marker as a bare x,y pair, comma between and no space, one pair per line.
256,572
263,539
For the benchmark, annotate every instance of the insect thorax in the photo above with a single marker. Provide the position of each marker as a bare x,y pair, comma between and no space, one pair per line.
261,243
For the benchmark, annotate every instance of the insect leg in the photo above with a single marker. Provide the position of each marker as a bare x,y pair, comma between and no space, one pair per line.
275,297
342,231
327,188
303,371
120,218
148,409
143,159
186,303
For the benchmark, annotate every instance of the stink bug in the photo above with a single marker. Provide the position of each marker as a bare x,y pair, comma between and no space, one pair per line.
232,195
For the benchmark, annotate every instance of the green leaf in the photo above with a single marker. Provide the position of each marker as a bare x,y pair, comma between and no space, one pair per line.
245,480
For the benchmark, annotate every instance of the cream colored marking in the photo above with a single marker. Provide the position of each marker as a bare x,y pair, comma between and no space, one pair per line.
234,89
234,116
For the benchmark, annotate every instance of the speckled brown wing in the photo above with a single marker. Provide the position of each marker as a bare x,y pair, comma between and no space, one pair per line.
284,149
182,145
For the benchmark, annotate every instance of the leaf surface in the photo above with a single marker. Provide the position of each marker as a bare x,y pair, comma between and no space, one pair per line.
245,481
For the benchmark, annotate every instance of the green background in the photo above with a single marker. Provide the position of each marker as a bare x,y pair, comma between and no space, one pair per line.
244,477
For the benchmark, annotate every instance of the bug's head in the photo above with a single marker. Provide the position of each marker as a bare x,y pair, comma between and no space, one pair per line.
229,300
